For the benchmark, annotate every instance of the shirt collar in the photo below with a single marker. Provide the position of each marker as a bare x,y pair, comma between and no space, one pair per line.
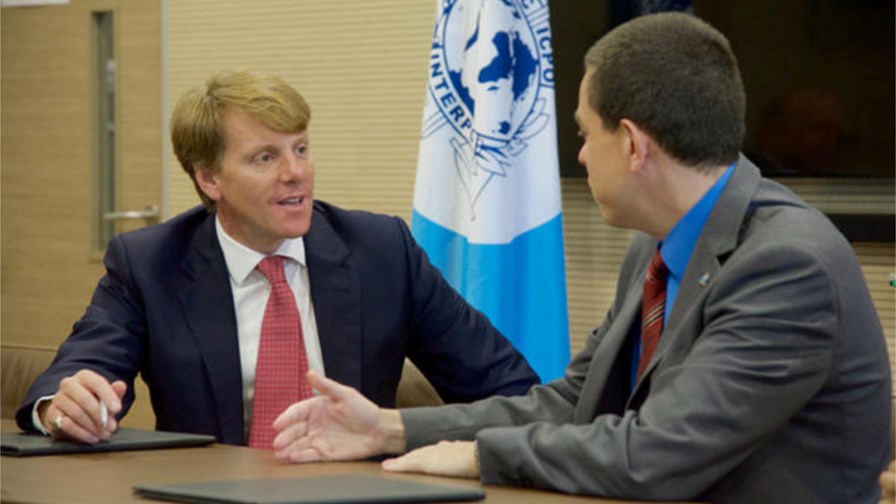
241,260
680,241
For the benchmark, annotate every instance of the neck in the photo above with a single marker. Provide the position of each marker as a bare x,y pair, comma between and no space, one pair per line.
672,190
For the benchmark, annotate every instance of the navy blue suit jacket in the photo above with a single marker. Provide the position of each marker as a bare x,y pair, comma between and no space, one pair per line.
165,309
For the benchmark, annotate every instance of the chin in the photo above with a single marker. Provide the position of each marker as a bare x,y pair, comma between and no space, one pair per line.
608,216
298,230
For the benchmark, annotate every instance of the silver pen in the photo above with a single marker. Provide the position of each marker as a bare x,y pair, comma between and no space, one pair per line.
104,414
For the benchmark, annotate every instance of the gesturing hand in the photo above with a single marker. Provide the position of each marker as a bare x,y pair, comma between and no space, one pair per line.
338,424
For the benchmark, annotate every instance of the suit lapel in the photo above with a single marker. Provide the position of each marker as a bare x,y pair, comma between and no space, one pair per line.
719,237
595,390
336,294
207,301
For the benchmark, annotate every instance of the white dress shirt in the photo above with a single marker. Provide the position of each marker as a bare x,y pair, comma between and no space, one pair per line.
250,296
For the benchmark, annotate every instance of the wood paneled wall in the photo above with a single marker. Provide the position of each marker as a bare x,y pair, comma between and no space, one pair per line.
48,268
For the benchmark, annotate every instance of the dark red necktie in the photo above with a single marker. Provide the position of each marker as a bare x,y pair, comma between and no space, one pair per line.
653,308
282,363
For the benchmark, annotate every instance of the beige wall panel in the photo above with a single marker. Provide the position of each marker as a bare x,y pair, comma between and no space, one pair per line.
46,158
48,272
139,114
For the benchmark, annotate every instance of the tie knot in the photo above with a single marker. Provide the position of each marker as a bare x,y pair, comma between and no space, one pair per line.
656,272
272,268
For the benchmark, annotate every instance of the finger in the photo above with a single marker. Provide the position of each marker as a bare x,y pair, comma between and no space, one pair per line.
405,463
65,428
299,446
51,418
290,434
119,388
307,455
327,387
95,396
108,394
70,403
296,412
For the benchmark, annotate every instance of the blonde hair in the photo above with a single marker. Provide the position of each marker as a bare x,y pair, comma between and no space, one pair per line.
197,124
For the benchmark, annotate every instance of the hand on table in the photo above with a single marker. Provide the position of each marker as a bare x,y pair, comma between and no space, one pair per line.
447,458
75,411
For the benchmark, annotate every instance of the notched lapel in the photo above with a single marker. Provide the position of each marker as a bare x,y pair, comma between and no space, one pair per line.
336,294
720,236
605,356
208,308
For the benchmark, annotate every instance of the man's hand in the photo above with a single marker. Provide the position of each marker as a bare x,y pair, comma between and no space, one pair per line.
338,424
447,458
75,411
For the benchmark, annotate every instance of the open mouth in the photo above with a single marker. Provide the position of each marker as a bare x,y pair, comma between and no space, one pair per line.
292,201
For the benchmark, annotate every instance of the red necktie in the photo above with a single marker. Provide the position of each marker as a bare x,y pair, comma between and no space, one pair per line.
653,307
282,362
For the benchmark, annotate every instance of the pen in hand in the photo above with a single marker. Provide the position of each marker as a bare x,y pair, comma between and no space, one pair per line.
104,415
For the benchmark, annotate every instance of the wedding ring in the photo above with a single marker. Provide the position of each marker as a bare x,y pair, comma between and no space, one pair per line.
58,422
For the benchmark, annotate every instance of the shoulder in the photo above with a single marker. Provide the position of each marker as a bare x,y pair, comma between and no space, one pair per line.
182,225
356,225
340,216
167,243
780,221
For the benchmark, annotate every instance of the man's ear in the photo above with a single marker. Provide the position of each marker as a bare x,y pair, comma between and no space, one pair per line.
207,180
639,144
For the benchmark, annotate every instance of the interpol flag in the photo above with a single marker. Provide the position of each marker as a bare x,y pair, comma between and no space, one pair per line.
487,194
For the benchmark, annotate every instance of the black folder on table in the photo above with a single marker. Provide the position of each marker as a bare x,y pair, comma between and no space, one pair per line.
342,488
22,445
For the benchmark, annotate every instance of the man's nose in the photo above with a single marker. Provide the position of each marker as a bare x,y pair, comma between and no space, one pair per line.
294,167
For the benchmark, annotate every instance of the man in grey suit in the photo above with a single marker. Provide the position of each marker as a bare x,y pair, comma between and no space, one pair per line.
770,381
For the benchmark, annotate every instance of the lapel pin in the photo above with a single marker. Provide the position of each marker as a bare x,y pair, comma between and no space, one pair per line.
703,280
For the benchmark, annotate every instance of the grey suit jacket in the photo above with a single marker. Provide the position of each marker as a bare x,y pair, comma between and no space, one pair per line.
770,383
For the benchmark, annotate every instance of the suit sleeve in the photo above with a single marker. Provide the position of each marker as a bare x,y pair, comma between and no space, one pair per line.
454,345
107,339
701,418
554,402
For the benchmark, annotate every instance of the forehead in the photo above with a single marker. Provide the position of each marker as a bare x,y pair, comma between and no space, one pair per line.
584,84
243,127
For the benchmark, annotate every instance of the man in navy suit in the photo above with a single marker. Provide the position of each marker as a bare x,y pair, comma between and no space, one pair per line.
182,303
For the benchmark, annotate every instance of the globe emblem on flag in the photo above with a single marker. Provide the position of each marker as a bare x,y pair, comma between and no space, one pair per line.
494,67
488,71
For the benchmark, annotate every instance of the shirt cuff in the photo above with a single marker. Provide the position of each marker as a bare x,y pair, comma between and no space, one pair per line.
35,418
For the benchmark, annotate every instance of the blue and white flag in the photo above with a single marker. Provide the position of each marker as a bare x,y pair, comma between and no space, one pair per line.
487,194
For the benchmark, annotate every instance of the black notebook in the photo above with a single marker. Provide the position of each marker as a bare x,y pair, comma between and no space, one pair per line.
343,488
21,445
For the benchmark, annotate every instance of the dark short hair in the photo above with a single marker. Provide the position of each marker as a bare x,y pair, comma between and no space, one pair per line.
676,77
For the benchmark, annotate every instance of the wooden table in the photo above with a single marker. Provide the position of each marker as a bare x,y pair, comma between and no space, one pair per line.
98,478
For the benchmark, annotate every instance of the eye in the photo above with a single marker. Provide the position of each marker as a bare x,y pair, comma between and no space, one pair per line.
580,134
302,149
263,158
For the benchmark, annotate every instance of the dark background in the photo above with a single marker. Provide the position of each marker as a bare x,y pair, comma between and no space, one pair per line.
819,77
